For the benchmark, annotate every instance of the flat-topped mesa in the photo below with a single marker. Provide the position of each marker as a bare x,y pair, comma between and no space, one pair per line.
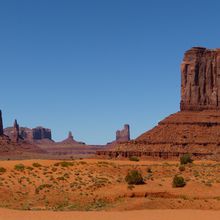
124,134
1,124
200,79
40,133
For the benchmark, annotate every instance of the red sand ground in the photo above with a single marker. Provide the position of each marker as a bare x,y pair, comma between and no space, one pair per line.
6,214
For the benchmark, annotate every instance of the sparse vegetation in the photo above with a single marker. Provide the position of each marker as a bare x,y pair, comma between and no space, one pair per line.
41,187
2,170
64,164
36,165
134,177
178,181
79,187
19,167
134,158
185,159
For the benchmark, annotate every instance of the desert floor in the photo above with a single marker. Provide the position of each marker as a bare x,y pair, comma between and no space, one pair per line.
6,214
97,185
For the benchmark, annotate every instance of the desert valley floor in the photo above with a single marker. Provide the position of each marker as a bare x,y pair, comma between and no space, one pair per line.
92,184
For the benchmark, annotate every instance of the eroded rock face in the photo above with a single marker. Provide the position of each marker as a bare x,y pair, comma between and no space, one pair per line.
40,133
124,134
16,134
28,134
200,79
1,124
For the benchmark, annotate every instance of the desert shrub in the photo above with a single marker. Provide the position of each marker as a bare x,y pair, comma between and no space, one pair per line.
36,165
149,170
54,169
19,167
64,164
134,177
2,170
178,181
182,168
134,158
29,168
186,158
61,178
41,187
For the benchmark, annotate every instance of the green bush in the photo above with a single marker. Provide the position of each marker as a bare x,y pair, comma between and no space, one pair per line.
2,170
178,181
41,187
134,158
64,164
186,158
19,167
36,165
134,177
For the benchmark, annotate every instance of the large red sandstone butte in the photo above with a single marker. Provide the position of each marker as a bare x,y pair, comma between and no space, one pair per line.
196,128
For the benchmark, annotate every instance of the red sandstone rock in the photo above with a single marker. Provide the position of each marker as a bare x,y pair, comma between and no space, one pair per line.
1,124
41,133
70,140
200,79
32,135
196,129
124,134
16,135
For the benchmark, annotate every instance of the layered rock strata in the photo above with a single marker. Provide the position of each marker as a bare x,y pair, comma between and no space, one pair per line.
200,79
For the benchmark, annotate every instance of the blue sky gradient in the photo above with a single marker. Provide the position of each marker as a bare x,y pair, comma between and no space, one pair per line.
92,66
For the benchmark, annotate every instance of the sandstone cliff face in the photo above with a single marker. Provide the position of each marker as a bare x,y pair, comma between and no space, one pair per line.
200,79
40,133
1,124
28,134
16,134
124,134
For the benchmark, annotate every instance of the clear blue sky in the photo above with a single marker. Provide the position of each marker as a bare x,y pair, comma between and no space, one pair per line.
90,66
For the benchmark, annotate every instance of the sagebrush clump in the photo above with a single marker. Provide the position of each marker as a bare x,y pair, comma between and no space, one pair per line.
134,177
134,158
178,181
186,158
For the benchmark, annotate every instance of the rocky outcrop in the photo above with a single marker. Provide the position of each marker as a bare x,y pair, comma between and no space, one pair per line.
28,134
124,134
1,124
69,140
16,133
200,79
40,133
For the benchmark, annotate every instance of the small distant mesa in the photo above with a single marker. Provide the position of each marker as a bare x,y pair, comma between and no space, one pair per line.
124,134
